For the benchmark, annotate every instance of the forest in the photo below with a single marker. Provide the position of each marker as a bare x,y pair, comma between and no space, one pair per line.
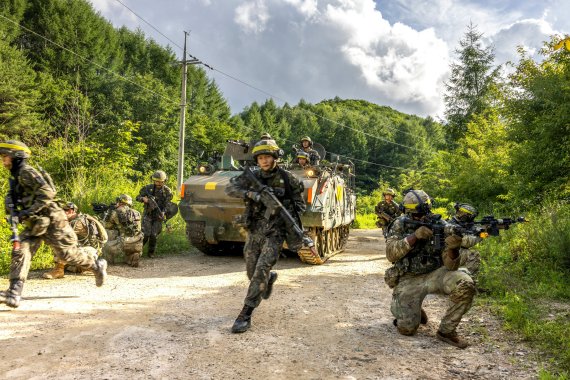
99,107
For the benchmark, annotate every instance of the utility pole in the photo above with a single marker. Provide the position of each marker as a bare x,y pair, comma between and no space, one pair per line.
181,132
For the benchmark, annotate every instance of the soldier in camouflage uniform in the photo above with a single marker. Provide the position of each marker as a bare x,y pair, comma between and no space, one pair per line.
90,233
307,147
265,237
156,198
32,200
420,270
301,160
469,259
128,238
387,210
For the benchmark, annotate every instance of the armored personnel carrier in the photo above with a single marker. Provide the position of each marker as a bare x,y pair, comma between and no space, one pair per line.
210,214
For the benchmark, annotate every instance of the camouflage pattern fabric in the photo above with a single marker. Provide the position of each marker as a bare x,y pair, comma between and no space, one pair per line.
265,237
392,209
314,156
152,217
412,287
128,239
470,259
90,232
46,222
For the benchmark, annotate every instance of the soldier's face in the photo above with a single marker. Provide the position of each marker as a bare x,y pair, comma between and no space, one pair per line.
70,214
158,183
302,161
265,161
388,198
7,161
306,144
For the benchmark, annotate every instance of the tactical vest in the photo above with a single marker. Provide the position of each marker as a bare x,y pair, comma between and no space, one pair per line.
130,220
422,258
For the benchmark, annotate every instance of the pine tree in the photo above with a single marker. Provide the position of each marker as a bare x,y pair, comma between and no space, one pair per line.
470,82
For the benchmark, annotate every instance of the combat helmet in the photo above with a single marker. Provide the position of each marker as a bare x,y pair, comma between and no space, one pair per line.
266,147
126,199
416,202
159,175
70,206
389,192
303,154
266,136
15,149
465,212
307,138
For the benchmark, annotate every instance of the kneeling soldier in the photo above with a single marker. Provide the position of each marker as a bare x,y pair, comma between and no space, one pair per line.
128,238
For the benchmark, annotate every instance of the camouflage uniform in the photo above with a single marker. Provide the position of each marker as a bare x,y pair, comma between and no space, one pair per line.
314,157
423,271
45,221
153,217
90,233
128,238
265,237
469,259
390,208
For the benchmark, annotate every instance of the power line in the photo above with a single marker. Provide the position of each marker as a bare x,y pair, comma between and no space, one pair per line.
87,59
273,96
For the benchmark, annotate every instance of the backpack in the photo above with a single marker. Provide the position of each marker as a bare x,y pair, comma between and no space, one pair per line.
130,219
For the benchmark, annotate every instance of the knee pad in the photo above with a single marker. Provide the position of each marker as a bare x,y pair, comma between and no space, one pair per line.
464,290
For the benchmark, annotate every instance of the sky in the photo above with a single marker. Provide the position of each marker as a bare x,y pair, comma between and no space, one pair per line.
394,53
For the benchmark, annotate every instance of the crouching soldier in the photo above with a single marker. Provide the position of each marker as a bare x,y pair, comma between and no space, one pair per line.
125,235
90,233
421,269
31,201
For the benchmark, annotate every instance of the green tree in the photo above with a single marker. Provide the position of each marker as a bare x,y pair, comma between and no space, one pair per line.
469,84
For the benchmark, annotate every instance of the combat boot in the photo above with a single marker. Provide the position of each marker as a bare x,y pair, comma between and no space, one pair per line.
243,321
100,271
272,279
13,295
57,272
453,339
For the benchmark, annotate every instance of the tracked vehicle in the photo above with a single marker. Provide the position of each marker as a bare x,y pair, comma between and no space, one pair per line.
210,214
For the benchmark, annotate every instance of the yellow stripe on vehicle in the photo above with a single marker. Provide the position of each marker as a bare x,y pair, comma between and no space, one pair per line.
210,186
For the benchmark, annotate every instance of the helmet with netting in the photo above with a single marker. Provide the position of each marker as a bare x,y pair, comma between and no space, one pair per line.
15,149
126,199
465,212
269,147
159,175
416,202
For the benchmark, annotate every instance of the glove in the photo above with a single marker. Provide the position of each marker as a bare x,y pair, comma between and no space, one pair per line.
423,233
253,195
449,229
453,242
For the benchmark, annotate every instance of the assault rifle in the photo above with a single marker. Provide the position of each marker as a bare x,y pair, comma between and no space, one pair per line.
274,207
434,223
154,205
384,215
487,226
101,208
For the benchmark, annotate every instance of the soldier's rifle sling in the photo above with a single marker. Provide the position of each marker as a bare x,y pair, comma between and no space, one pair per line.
273,205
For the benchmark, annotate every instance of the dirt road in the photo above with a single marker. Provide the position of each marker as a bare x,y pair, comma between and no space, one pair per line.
171,319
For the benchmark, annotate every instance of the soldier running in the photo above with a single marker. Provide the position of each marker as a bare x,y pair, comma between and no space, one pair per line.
31,200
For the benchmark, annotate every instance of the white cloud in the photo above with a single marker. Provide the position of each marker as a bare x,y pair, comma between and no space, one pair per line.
252,16
391,52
